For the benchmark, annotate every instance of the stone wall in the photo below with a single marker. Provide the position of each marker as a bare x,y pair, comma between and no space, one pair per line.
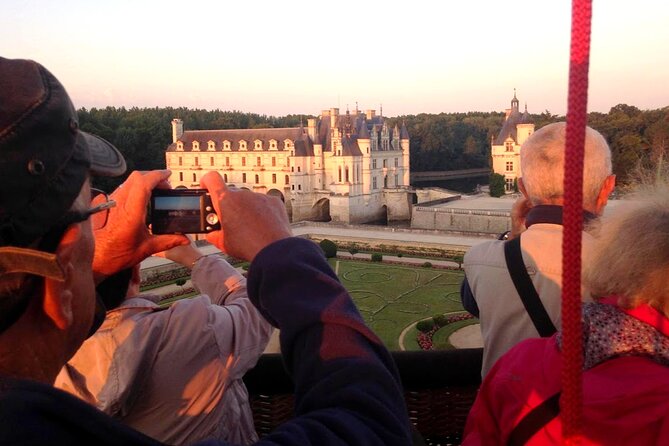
461,220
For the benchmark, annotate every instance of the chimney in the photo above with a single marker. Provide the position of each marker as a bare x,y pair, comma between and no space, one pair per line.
370,114
177,129
311,128
334,112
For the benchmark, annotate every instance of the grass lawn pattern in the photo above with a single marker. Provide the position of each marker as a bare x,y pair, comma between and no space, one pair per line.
392,297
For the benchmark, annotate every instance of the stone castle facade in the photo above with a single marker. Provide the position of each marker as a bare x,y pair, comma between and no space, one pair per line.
505,149
350,168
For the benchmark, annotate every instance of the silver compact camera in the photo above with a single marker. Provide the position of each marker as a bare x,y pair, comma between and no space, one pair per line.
182,211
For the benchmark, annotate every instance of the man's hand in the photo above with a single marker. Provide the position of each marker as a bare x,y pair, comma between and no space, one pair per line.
518,214
125,240
249,221
185,255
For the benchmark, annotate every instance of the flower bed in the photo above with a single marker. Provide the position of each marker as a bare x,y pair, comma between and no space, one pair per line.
424,338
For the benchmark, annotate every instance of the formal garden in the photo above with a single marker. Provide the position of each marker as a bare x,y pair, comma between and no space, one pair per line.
410,307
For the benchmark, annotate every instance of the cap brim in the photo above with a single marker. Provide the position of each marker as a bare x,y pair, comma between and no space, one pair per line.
106,160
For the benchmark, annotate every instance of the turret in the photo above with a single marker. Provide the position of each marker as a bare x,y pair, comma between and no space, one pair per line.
177,129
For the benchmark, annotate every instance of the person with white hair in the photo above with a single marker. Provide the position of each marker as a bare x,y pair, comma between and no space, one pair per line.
513,285
625,346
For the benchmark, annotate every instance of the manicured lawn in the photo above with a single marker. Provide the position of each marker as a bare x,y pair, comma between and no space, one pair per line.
392,297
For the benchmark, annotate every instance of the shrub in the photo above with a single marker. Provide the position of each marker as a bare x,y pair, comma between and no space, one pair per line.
399,254
496,185
377,257
425,325
329,248
427,265
180,282
441,320
245,266
353,250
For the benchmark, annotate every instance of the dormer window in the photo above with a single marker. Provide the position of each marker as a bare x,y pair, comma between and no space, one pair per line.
211,145
180,145
226,145
196,146
287,144
509,146
242,145
257,144
272,144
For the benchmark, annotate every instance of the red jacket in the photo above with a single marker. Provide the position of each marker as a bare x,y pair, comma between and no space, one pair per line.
626,398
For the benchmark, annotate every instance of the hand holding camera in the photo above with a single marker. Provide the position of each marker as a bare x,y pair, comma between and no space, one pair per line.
249,221
125,240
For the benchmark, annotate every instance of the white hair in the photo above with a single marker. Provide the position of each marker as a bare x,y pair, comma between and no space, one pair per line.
542,164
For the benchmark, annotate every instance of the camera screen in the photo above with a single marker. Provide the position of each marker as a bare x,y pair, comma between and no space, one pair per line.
177,203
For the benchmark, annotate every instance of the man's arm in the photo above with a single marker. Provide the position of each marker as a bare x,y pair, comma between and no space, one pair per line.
346,385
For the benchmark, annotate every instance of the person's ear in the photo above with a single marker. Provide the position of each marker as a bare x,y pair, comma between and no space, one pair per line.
521,188
604,192
58,295
57,304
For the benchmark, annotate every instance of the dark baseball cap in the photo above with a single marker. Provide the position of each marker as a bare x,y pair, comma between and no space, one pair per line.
44,156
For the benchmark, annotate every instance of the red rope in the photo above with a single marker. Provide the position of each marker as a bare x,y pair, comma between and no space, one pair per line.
572,363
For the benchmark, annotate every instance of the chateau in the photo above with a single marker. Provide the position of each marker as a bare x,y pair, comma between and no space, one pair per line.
351,167
505,148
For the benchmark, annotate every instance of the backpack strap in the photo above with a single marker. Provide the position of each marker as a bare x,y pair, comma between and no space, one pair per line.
534,420
525,288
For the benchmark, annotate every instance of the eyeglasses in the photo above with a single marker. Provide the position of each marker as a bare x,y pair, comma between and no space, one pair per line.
99,214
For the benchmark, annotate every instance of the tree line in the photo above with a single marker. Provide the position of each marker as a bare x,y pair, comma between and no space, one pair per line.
639,139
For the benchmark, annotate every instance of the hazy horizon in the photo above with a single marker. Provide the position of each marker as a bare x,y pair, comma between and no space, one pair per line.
301,57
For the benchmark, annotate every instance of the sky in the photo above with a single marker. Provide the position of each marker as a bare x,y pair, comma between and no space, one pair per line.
300,57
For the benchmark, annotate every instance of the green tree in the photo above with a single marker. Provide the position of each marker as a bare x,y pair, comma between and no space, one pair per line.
496,185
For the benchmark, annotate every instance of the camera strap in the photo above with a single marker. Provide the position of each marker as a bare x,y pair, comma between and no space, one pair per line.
526,290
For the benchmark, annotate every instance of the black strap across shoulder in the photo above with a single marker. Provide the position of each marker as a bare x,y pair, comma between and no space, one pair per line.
525,287
536,419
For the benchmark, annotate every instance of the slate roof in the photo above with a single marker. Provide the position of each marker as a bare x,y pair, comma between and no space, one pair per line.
509,126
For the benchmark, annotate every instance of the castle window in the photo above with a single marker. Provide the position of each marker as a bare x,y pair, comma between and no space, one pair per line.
299,168
273,161
211,160
396,162
225,177
272,144
287,144
226,145
292,187
181,176
181,161
194,177
346,174
273,178
299,187
385,181
509,146
211,145
374,183
197,161
292,168
287,179
243,178
243,161
340,174
374,164
257,179
258,161
227,160
384,163
508,184
397,180
509,166
258,144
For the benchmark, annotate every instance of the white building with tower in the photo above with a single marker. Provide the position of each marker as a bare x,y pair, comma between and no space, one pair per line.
505,149
350,168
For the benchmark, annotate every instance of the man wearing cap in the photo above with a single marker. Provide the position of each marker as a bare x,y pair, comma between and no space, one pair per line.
346,386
